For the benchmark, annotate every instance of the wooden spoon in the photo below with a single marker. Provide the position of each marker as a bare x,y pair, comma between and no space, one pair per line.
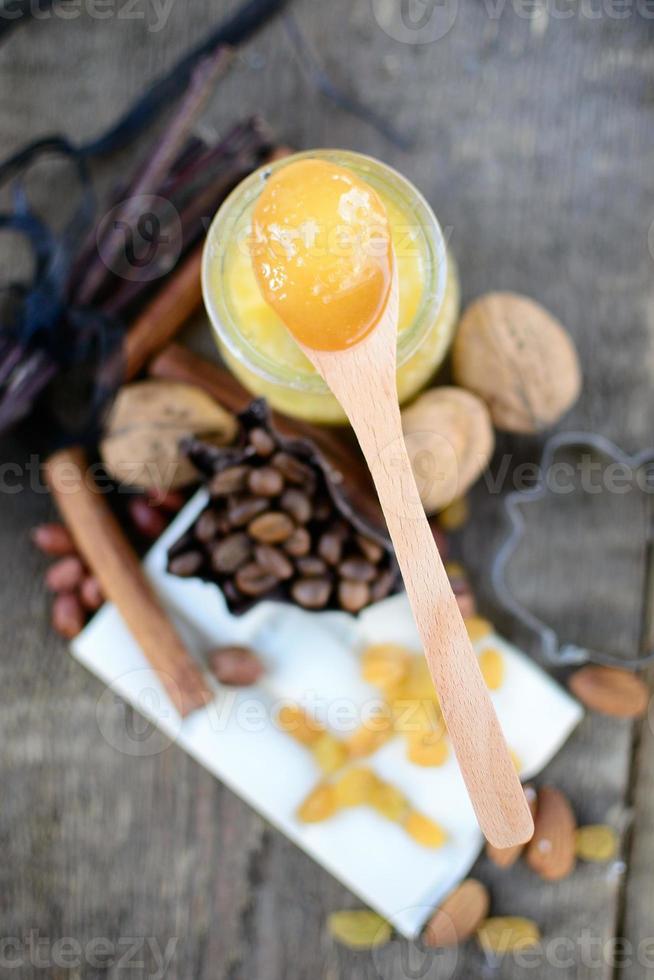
363,379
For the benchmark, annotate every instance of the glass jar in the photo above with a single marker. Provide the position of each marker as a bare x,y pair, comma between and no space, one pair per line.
254,342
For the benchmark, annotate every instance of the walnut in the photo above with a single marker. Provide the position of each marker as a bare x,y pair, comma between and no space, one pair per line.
516,356
449,437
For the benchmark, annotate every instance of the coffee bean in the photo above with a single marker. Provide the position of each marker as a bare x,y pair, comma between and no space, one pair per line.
230,553
252,580
330,547
370,549
266,482
274,561
53,539
311,593
234,665
65,575
383,586
299,543
357,569
171,501
186,564
232,480
207,526
91,593
147,520
310,566
262,442
353,596
67,615
242,510
297,504
271,528
295,471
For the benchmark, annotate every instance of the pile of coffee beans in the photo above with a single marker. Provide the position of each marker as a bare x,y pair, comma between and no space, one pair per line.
275,528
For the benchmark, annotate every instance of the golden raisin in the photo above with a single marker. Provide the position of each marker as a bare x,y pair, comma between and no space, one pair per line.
596,842
478,628
372,734
384,664
355,787
330,754
430,749
318,805
359,928
389,801
423,830
296,722
455,515
492,666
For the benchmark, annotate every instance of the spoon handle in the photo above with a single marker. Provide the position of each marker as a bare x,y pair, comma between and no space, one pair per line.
482,753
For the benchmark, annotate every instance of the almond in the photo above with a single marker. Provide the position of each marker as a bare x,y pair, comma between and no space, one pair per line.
459,916
504,857
551,851
610,691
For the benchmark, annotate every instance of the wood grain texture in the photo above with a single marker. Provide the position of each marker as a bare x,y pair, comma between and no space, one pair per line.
534,142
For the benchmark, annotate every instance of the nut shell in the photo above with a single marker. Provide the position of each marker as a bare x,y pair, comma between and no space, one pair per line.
450,440
516,356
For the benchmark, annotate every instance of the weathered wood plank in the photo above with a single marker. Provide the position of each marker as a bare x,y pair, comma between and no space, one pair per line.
536,147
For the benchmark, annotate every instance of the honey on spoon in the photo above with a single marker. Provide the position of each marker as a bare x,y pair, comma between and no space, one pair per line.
322,255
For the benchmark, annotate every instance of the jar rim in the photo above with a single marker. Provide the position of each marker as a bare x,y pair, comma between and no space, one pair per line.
222,232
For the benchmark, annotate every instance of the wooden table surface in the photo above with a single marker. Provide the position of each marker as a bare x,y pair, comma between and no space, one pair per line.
534,141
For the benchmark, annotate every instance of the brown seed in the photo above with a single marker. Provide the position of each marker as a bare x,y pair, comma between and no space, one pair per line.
53,539
353,596
311,566
459,916
299,543
234,665
330,547
252,580
467,604
91,593
295,471
228,481
273,560
551,851
271,528
147,520
383,586
266,482
370,549
262,442
242,510
230,553
171,501
611,691
311,593
208,526
67,615
357,569
297,504
65,575
186,564
505,857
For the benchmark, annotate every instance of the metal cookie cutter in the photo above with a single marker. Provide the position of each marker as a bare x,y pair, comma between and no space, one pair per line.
551,646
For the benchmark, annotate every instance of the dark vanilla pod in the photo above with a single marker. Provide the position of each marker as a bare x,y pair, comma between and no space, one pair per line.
280,526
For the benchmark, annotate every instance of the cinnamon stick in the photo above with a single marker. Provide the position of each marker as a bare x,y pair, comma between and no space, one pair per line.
176,363
165,315
101,542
